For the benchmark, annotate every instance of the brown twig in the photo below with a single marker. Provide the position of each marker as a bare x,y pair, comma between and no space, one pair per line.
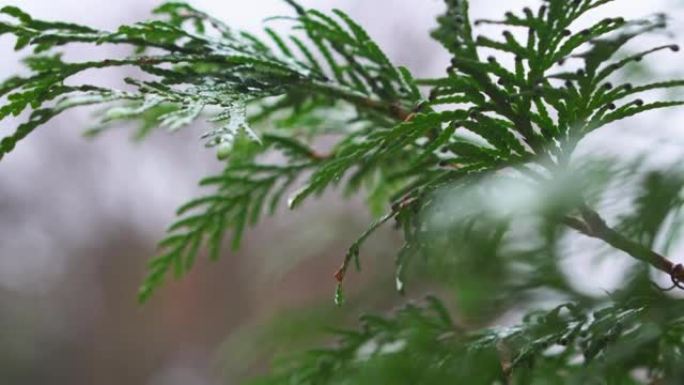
506,361
592,225
391,109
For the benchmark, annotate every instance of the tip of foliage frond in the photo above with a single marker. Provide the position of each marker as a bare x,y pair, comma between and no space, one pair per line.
297,7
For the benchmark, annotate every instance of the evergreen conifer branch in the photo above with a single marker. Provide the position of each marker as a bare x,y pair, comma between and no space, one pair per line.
591,224
521,114
423,342
408,141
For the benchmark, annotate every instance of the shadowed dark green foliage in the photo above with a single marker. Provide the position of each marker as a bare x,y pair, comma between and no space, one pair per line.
440,158
420,344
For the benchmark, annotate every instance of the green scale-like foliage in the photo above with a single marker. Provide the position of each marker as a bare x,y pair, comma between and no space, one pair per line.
421,344
519,112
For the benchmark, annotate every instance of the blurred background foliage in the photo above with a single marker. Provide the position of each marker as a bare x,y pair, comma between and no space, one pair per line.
67,309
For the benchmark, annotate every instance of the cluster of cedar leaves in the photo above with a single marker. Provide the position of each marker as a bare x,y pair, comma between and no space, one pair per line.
417,146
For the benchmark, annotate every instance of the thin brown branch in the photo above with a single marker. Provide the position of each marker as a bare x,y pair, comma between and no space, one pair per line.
592,225
393,110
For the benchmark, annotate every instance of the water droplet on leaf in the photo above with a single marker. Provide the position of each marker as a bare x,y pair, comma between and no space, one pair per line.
339,295
223,150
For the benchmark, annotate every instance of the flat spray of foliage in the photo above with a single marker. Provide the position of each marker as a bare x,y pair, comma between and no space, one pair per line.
419,147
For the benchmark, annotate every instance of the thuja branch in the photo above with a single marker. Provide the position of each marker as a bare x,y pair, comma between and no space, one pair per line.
392,110
591,224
